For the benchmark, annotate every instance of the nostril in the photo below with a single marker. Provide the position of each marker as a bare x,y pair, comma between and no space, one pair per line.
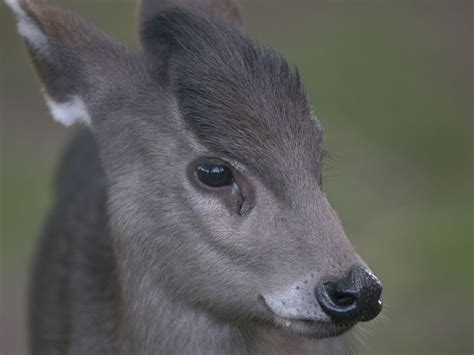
340,305
339,298
344,300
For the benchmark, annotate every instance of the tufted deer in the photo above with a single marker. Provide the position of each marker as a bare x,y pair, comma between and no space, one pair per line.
190,215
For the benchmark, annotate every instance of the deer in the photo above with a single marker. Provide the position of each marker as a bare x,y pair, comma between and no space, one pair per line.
190,214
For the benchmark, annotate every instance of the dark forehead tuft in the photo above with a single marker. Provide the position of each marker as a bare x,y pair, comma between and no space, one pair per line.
241,99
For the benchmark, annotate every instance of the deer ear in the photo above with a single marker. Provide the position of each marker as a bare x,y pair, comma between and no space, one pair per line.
226,12
72,57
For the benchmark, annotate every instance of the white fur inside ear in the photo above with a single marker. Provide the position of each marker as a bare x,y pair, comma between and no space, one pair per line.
28,28
69,112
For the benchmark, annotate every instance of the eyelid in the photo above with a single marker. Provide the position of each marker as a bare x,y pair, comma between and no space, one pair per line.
213,161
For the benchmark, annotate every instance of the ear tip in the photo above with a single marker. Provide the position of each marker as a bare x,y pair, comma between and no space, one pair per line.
15,6
28,27
23,8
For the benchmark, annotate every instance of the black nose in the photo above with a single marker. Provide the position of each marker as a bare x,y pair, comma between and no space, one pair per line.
353,298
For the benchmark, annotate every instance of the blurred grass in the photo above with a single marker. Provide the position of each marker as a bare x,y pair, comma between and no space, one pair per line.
392,83
25,203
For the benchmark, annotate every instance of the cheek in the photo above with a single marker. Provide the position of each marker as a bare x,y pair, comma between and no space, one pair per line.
210,209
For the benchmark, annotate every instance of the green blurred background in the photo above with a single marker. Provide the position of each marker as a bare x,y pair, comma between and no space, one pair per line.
391,81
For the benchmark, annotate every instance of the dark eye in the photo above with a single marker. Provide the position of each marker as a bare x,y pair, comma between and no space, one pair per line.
215,175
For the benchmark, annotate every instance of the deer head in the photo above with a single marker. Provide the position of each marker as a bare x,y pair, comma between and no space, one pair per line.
213,156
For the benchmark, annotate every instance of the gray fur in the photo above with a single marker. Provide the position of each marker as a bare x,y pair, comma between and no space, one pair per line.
135,259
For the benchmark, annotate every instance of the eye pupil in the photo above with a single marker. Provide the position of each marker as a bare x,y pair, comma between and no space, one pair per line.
214,175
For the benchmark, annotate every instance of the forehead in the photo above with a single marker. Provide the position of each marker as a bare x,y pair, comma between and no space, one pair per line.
241,99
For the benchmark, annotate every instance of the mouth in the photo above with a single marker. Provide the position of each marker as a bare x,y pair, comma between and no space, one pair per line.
306,327
311,328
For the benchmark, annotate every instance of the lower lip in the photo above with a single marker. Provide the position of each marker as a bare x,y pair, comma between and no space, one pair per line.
314,328
308,327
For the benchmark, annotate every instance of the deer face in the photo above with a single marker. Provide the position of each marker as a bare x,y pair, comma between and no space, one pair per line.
213,156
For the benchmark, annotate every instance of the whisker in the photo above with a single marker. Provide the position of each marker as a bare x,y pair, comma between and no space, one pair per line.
361,341
364,332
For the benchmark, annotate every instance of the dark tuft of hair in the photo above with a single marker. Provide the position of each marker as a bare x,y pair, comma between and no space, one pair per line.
240,98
